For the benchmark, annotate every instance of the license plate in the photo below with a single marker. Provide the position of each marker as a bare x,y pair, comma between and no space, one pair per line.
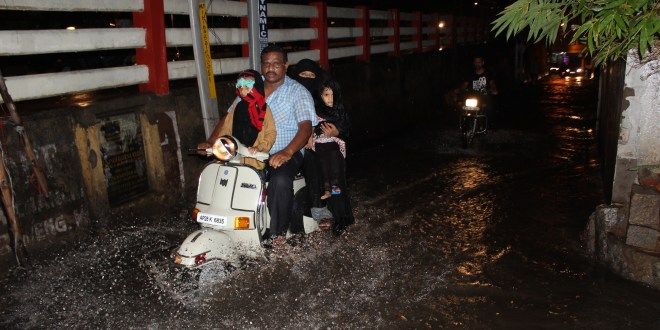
211,219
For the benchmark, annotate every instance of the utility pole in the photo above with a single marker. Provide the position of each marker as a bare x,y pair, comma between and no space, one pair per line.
203,65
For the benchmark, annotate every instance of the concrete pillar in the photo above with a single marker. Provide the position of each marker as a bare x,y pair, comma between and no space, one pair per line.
417,24
153,153
320,23
154,55
89,151
365,40
395,23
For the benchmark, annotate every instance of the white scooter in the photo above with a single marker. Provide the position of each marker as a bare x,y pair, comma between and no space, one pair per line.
231,210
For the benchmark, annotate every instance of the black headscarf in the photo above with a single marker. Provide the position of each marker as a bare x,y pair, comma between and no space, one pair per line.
335,114
312,84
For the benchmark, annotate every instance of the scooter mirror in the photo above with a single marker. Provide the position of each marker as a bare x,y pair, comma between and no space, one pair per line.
224,148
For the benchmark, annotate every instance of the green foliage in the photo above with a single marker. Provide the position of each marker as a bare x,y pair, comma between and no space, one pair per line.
608,28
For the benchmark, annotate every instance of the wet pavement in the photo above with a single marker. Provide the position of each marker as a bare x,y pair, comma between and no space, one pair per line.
486,237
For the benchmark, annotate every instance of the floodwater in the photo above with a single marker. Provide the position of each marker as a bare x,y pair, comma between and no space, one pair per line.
487,237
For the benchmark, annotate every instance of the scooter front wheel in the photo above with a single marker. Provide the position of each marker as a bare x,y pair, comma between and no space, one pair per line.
213,273
468,131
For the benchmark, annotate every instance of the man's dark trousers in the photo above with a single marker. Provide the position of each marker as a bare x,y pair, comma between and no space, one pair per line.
280,195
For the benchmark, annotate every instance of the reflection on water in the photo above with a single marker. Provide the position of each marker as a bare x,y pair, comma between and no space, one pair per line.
471,173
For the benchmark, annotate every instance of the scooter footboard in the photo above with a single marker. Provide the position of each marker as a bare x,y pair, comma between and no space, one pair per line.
206,245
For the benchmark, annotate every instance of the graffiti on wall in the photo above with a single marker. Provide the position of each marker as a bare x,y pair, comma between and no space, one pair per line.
54,226
62,190
123,158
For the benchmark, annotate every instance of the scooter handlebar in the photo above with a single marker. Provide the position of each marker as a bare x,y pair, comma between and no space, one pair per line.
224,149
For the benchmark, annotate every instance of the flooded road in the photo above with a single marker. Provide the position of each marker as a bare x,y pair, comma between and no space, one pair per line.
487,237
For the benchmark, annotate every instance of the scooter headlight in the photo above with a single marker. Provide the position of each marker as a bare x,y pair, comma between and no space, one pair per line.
471,102
224,148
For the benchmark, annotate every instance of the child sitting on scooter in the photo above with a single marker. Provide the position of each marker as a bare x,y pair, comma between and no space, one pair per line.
249,119
328,139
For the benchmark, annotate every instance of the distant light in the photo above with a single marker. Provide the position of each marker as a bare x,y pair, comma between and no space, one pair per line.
71,28
476,3
441,24
440,49
112,24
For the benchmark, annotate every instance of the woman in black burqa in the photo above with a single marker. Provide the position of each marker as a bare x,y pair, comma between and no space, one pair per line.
308,73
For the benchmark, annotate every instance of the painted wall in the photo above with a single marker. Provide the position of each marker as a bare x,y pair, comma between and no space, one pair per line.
64,211
625,234
639,135
640,127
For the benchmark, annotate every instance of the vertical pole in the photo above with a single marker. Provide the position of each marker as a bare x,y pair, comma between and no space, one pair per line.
364,40
209,106
154,55
245,48
417,24
257,30
395,39
320,23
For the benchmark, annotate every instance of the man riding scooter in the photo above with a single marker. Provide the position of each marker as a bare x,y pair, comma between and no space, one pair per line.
292,108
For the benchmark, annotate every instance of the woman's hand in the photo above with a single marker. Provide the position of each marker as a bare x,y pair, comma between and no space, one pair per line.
329,129
252,150
310,142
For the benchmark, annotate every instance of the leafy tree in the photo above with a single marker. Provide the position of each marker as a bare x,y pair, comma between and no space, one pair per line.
609,28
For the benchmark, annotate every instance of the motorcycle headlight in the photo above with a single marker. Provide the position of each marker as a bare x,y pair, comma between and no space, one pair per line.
471,102
224,148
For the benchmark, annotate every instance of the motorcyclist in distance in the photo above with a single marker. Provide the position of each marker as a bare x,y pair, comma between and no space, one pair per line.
481,82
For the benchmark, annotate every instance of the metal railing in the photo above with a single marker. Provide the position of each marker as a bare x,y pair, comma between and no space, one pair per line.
420,29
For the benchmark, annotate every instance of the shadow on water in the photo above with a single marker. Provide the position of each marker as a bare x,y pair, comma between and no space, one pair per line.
444,237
